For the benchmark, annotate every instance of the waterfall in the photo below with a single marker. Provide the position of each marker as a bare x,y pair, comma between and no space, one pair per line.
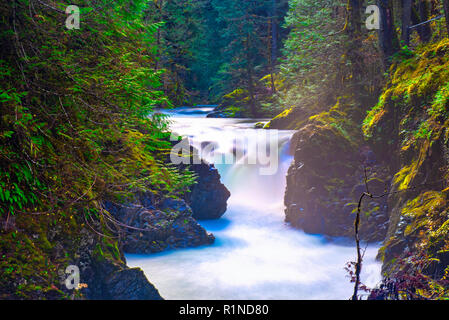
256,255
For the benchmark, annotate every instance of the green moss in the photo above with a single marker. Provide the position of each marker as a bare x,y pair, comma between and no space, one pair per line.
282,116
338,118
26,269
440,104
412,114
422,208
279,82
373,117
422,82
236,95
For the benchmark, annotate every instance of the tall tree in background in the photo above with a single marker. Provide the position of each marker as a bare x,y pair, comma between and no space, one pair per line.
354,30
423,15
312,65
211,47
388,41
406,20
276,15
446,13
246,28
177,40
208,54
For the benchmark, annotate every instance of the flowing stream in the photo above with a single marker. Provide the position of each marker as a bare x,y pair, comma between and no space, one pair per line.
256,255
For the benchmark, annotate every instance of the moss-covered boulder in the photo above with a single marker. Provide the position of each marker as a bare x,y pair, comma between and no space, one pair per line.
289,119
237,104
233,105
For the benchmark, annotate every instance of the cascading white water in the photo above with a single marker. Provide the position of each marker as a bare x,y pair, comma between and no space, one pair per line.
256,255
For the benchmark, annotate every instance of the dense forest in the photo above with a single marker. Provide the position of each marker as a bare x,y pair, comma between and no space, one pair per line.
82,138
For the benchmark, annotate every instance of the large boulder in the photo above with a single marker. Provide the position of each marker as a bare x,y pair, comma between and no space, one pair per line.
290,119
105,273
151,226
130,284
233,105
208,198
325,182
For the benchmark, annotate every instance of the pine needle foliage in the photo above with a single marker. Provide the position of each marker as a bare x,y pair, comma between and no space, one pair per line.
74,124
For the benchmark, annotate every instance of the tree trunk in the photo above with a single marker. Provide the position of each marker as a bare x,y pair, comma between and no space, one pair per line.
274,40
406,21
274,31
355,18
355,34
424,31
252,100
249,72
159,6
270,54
387,36
446,14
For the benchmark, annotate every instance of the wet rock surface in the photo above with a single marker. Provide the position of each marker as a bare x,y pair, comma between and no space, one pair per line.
151,227
325,182
130,284
208,198
105,274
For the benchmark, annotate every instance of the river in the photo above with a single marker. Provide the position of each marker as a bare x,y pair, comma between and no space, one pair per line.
256,255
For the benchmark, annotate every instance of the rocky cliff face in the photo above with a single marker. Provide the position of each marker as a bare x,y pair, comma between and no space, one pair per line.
107,276
411,119
327,177
154,223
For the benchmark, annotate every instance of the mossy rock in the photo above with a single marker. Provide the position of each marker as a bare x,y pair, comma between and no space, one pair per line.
289,119
409,125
